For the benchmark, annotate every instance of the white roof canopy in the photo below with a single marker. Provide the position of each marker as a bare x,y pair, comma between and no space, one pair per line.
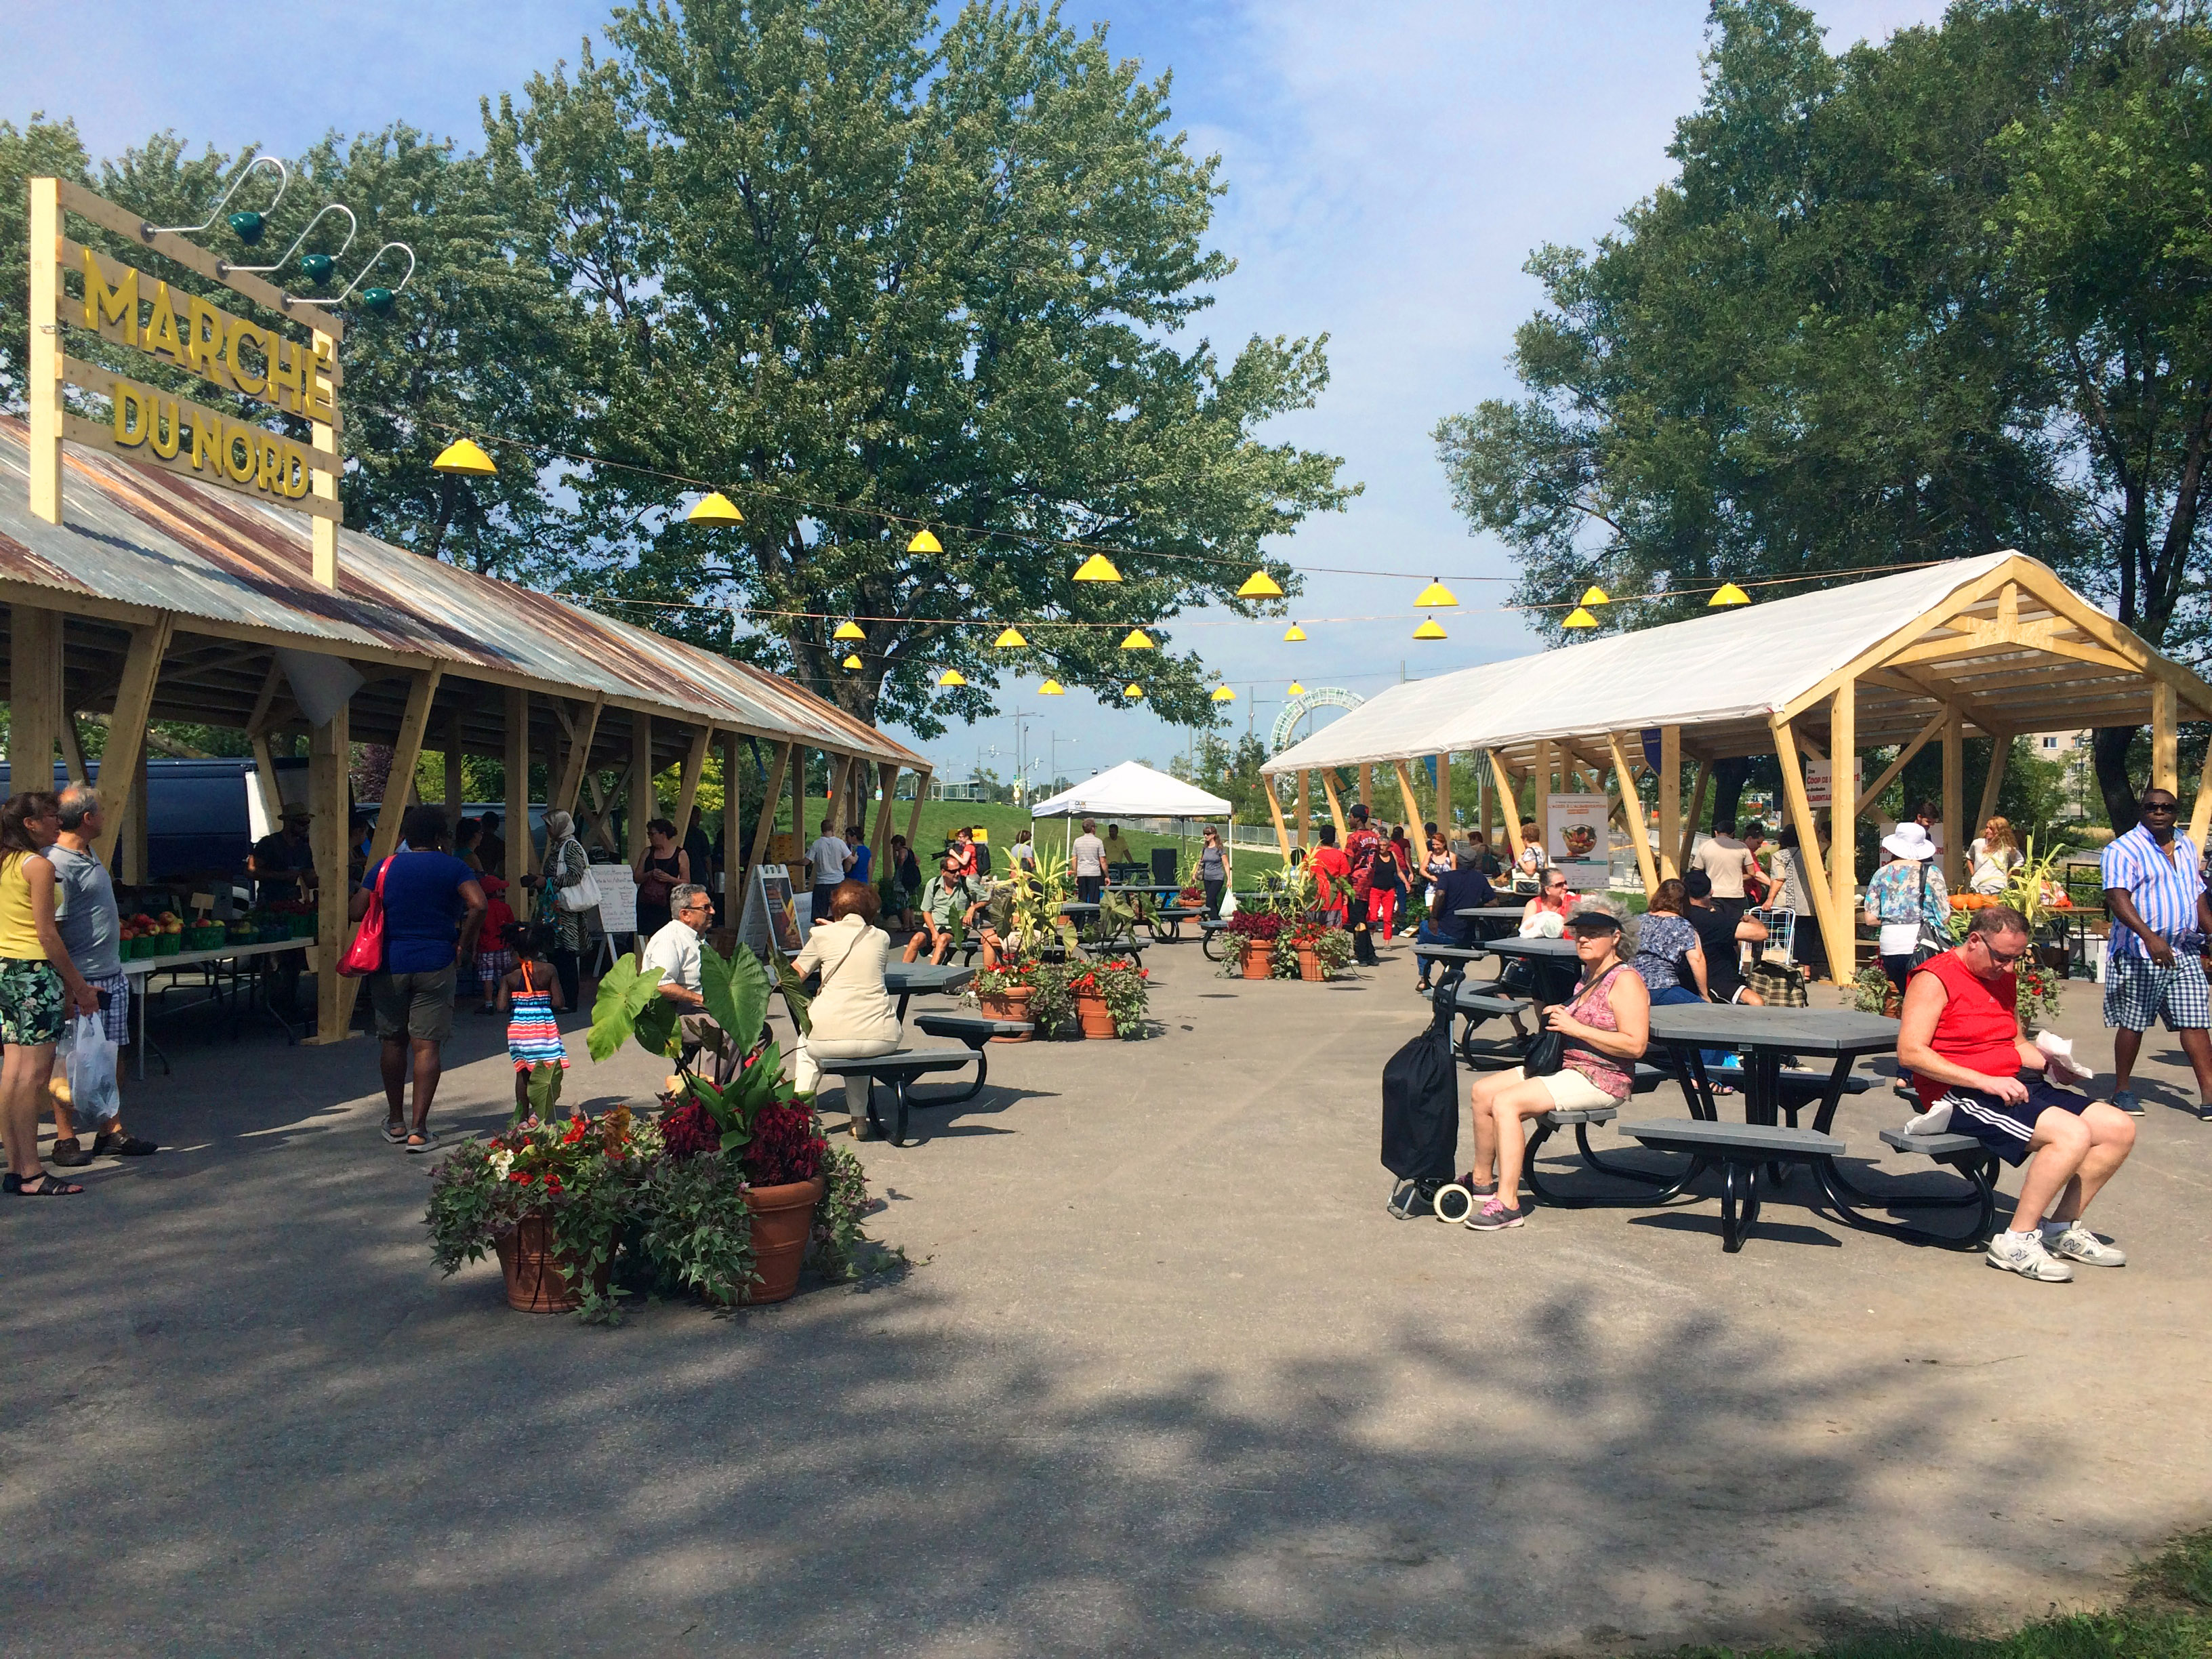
1913,640
1132,790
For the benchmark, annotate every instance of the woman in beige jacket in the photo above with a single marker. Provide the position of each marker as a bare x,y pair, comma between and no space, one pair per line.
852,1014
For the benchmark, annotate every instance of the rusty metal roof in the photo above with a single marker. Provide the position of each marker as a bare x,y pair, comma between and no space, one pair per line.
135,536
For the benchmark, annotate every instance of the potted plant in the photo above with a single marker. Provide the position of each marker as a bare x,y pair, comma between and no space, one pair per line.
551,1199
1312,952
1052,1004
1256,932
1111,998
1004,993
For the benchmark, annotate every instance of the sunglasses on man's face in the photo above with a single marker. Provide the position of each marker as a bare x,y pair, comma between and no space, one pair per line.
2167,807
2003,958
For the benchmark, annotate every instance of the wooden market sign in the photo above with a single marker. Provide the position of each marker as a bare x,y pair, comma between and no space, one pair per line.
151,426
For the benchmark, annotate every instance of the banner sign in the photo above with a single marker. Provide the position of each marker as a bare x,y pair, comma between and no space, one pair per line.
1580,841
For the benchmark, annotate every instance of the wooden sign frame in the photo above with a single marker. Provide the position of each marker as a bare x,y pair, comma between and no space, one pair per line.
148,426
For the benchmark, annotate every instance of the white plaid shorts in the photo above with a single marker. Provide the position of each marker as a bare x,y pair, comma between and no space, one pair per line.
2137,991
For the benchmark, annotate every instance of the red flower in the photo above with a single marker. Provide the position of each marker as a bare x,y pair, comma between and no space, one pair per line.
521,1177
552,1183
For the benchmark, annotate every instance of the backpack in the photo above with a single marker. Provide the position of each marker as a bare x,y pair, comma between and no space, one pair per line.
1420,1109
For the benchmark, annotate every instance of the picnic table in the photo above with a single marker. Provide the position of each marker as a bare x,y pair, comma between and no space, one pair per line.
223,976
1504,918
907,980
1552,965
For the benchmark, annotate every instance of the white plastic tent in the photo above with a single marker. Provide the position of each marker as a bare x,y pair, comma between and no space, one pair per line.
1132,790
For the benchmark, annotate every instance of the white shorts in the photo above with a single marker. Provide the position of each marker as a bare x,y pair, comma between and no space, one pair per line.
1569,1090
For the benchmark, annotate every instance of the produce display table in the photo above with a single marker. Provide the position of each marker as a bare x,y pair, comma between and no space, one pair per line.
225,970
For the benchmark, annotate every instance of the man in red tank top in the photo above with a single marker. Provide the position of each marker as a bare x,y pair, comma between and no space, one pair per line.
1960,1036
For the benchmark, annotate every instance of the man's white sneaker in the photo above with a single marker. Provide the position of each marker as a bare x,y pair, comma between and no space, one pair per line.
2078,1244
2023,1253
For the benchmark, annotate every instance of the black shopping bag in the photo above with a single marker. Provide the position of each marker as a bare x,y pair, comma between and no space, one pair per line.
1420,1109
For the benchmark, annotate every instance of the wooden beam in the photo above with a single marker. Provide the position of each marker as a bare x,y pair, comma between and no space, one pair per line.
265,780
1444,796
687,793
798,801
1631,806
1305,811
1954,796
2165,745
1413,802
2200,814
582,732
515,762
1670,802
1509,803
1884,650
1843,800
1872,793
120,765
329,753
1545,785
1366,790
734,832
766,827
35,695
2000,758
1838,939
457,786
642,796
1698,793
1335,806
1275,806
414,726
72,746
913,814
887,783
43,387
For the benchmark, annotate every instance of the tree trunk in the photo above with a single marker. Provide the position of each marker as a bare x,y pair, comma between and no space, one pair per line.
1730,777
2109,744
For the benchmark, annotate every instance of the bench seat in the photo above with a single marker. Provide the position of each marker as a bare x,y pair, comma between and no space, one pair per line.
1740,1150
900,1068
973,1030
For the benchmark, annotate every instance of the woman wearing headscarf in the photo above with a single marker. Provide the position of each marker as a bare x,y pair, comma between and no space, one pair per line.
566,865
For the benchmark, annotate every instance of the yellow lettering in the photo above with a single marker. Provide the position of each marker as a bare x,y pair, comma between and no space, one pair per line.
207,330
207,442
294,472
270,458
241,453
168,415
320,381
288,370
162,337
243,334
132,416
117,304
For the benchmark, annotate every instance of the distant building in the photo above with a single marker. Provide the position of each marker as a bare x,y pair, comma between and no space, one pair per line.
2055,745
958,789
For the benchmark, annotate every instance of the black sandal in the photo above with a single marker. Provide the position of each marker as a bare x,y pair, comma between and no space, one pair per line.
50,1185
69,1153
117,1144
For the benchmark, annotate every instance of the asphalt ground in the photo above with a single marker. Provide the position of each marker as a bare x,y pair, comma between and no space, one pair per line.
1160,1376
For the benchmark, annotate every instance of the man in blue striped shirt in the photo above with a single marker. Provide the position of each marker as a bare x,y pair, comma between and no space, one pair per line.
2154,893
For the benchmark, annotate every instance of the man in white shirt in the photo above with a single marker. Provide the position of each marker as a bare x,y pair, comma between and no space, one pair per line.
675,951
1726,861
831,859
1089,854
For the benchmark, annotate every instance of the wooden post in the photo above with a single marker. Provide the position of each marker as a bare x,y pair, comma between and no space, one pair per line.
1366,791
1413,804
123,765
1696,811
687,793
2165,746
1542,804
330,750
1443,796
323,438
799,838
1275,806
887,781
766,828
1954,796
2000,758
1305,810
137,866
733,831
1670,801
569,785
913,815
516,763
265,779
1928,734
1482,821
1508,800
34,696
2200,815
1632,807
457,786
43,387
1335,806
641,797
1836,934
1843,804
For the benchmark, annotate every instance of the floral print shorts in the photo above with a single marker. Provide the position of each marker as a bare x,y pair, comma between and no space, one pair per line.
32,1002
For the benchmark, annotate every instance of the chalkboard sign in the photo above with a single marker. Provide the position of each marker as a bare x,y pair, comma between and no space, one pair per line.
771,915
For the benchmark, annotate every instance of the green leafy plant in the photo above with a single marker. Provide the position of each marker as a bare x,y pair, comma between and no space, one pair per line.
834,1248
1123,986
1052,1004
696,1227
1870,990
1333,945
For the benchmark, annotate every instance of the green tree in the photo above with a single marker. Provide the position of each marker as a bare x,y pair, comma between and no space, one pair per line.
1918,301
869,274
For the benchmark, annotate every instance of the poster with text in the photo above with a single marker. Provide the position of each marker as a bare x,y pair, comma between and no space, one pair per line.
1579,841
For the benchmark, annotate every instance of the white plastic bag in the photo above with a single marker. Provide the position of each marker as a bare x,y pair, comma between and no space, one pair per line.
94,1097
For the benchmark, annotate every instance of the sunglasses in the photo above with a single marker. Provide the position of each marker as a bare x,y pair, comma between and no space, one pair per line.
2003,958
2167,807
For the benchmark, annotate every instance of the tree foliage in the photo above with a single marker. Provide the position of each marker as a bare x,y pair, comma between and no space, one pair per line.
1916,301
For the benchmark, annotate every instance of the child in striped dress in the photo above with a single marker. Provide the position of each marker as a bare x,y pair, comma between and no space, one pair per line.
529,996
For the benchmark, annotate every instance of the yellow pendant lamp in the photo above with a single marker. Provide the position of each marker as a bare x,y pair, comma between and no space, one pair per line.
464,456
923,542
1222,693
849,630
1137,640
1430,630
850,662
1296,689
714,507
1579,617
1729,593
1293,633
1132,689
1097,569
1051,689
952,676
1596,596
1436,596
1010,640
1260,586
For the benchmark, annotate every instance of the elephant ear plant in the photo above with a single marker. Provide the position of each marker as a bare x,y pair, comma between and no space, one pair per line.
743,1067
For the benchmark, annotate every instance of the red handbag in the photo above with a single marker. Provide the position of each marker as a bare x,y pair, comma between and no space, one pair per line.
365,954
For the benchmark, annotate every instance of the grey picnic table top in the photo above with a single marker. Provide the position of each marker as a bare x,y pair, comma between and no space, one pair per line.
1544,949
1836,1031
904,979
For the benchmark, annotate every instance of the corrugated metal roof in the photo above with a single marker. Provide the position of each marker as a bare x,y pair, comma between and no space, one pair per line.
139,537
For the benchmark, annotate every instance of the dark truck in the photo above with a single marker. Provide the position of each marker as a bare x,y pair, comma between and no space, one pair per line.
203,816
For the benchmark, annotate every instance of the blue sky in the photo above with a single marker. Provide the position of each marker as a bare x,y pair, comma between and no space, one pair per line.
1390,166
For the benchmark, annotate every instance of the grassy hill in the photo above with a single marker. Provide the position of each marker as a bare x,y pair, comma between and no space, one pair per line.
940,818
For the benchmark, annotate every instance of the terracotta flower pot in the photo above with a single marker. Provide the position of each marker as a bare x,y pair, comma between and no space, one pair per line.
535,1283
1013,1003
1090,1010
1310,968
783,1216
1258,957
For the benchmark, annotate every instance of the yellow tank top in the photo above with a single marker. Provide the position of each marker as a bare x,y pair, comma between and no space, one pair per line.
19,936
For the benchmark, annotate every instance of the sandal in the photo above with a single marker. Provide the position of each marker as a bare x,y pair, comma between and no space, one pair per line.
71,1155
50,1185
395,1131
117,1144
422,1140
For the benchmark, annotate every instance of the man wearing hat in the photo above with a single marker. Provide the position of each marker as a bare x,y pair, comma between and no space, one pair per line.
282,863
2155,892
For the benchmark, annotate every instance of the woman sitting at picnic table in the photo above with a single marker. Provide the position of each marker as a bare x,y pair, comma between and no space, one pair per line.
1606,1026
1556,899
1669,960
852,1014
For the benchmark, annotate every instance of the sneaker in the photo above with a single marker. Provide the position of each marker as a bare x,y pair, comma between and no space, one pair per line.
2077,1244
2023,1253
2126,1100
1494,1214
